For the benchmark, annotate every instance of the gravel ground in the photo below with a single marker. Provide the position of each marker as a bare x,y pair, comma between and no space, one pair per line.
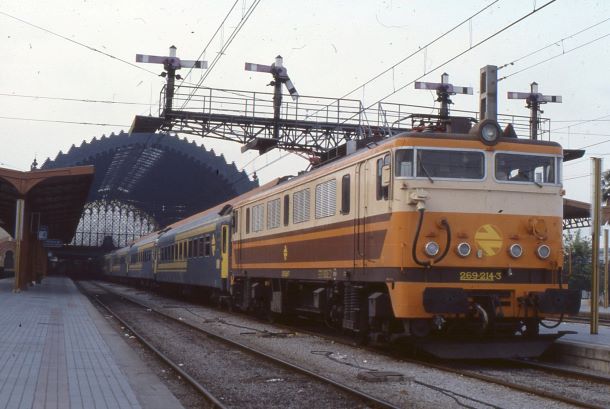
421,387
579,389
238,379
182,390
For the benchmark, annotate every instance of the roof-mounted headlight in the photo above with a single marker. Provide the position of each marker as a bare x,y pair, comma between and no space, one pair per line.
488,131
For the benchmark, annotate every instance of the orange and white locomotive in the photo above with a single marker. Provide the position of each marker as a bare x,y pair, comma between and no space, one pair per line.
449,235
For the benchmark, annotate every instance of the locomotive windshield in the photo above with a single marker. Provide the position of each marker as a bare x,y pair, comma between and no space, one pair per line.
537,169
440,163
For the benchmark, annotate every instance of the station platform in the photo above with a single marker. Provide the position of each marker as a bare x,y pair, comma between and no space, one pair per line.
583,349
57,351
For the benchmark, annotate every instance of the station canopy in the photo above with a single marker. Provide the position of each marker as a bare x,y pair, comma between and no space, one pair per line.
54,198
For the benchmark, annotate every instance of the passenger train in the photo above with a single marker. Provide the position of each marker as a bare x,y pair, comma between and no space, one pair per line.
451,239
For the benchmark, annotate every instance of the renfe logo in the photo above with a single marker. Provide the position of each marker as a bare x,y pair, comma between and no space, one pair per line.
489,239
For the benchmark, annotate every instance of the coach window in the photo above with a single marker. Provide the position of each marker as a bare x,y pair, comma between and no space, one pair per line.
201,247
247,220
345,193
382,191
208,246
286,209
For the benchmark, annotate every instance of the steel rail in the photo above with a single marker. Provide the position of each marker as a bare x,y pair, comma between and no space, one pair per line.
556,370
200,388
378,403
511,385
481,377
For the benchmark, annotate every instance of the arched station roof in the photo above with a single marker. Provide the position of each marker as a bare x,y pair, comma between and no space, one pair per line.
163,176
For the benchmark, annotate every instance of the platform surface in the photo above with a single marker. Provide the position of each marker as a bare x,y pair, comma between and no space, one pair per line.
57,351
583,330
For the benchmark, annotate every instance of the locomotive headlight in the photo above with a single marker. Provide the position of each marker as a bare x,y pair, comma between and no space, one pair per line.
488,130
543,251
432,248
515,250
463,249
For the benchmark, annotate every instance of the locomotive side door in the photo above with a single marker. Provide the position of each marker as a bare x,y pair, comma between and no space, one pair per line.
360,196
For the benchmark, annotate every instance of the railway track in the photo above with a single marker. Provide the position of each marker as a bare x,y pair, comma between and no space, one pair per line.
340,396
574,393
490,373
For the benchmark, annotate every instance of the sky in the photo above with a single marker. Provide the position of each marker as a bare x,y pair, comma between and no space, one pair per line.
329,47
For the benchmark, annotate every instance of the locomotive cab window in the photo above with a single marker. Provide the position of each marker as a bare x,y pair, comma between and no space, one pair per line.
450,164
537,169
404,163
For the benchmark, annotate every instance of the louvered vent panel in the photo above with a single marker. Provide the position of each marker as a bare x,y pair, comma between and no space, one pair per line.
326,199
301,206
273,214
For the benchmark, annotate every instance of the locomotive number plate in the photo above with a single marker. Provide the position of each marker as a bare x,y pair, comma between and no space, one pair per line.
488,276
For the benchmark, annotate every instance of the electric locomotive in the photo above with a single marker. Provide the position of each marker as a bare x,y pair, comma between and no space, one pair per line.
448,235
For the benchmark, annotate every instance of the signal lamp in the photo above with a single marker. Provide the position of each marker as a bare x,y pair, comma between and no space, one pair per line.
432,248
463,249
543,251
515,251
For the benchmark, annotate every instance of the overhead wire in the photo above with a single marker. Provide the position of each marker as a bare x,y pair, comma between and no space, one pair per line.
420,49
78,43
553,57
554,43
76,99
586,121
226,45
470,48
60,122
209,42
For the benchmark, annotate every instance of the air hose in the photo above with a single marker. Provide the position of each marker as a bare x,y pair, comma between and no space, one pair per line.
427,263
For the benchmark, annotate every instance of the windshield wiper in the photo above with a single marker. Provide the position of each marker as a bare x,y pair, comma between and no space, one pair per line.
421,163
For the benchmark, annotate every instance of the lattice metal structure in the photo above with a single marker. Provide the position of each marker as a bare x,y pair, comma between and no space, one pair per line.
314,125
578,223
123,222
